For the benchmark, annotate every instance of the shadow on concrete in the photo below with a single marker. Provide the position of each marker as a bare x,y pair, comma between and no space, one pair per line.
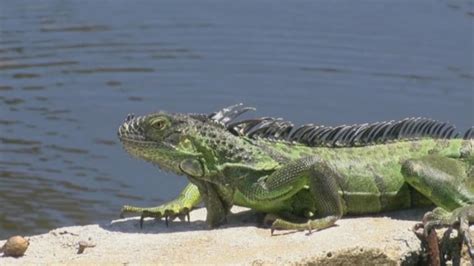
158,226
241,219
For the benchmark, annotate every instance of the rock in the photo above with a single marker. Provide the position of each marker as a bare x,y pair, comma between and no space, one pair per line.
15,246
385,239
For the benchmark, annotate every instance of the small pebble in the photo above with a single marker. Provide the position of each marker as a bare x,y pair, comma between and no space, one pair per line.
15,246
83,245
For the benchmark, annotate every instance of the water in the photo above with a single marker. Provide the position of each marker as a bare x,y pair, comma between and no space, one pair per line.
71,71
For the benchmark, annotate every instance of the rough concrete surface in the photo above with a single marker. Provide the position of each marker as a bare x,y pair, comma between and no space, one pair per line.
355,240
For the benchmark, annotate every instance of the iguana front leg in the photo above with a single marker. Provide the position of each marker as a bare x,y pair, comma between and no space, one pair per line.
217,207
179,207
309,172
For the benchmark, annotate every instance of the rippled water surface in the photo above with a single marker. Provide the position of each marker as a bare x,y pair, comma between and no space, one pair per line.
70,71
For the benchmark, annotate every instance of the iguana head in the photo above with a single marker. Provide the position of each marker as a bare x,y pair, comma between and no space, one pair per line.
161,138
197,145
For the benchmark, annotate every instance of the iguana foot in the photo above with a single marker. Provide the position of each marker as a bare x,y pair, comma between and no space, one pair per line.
168,211
459,219
179,207
278,223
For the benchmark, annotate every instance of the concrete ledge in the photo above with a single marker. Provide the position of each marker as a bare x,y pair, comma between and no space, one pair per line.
357,240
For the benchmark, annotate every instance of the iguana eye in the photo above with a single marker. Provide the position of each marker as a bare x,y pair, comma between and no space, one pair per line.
159,123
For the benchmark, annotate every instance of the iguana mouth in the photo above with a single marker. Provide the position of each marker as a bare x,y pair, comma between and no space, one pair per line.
132,131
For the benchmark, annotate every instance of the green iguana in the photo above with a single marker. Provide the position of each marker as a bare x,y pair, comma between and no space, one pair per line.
306,177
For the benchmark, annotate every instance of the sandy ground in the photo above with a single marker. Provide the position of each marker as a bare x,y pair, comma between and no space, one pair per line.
363,240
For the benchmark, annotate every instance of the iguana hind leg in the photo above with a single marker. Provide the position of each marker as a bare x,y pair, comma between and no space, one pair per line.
179,207
445,182
321,180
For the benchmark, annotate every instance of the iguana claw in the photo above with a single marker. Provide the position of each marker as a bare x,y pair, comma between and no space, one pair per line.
415,229
310,231
142,217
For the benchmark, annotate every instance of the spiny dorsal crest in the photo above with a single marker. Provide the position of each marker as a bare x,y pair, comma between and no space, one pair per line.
328,136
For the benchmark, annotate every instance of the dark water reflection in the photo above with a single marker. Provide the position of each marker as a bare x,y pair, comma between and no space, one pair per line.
71,70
